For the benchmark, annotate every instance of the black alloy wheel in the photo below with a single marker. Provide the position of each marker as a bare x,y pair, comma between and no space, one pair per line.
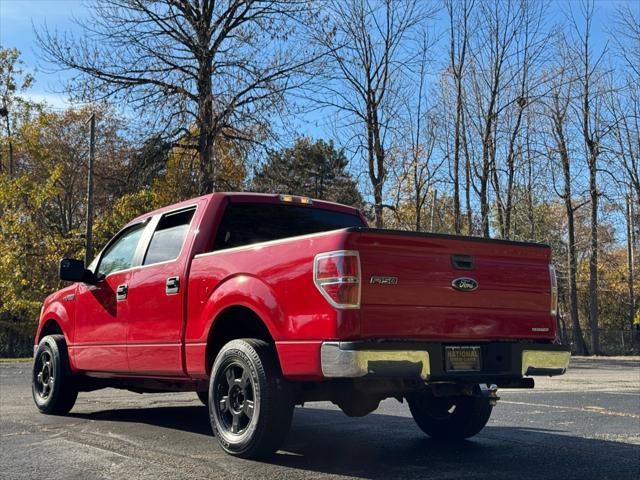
53,386
234,398
251,402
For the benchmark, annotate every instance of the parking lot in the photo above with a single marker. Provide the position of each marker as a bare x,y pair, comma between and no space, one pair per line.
583,425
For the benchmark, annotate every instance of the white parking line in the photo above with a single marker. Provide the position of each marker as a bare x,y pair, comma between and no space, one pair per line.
587,409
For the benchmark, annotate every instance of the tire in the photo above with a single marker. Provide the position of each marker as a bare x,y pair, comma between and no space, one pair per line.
449,418
204,398
251,405
52,384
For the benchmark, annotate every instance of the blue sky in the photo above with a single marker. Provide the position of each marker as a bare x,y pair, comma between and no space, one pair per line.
19,17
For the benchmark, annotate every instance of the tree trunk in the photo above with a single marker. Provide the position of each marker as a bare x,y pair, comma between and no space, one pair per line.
499,202
511,161
484,200
456,167
488,162
593,258
418,198
578,339
206,132
630,261
376,156
467,186
10,169
433,210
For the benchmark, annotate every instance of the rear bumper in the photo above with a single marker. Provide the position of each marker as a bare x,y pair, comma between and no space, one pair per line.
500,361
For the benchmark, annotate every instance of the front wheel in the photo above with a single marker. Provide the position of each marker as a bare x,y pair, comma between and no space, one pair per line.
449,418
52,384
251,403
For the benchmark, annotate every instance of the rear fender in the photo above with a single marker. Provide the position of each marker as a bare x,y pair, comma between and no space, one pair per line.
250,292
237,291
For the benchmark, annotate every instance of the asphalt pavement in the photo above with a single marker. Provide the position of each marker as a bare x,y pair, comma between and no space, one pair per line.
584,425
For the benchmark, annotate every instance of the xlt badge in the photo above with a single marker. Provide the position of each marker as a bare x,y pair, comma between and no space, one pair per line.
464,284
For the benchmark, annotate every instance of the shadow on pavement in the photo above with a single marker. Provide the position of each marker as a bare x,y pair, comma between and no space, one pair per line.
384,446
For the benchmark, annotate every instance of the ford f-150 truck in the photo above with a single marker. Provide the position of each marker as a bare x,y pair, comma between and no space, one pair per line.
262,302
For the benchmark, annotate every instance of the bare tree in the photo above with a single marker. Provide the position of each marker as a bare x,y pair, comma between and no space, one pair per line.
631,259
459,17
368,45
594,129
493,51
626,36
623,105
558,113
418,166
529,56
202,70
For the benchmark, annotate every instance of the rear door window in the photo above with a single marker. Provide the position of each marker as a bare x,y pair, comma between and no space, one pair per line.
168,238
247,223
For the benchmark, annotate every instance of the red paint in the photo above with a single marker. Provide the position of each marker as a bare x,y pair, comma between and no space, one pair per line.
154,334
513,295
100,339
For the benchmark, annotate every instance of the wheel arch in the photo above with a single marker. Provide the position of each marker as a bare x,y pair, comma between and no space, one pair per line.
233,322
51,326
57,317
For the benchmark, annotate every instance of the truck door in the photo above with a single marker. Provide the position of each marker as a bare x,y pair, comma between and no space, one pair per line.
102,309
157,297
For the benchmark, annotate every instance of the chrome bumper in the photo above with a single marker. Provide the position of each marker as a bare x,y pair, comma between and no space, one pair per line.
345,363
541,362
359,359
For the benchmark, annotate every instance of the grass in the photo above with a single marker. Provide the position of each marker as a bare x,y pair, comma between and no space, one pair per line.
15,360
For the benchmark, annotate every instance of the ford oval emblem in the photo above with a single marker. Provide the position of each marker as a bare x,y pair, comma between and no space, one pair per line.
465,284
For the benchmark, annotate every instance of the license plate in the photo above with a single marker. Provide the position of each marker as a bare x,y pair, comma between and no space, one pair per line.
462,359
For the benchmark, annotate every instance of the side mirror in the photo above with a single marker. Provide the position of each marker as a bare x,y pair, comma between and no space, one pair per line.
74,271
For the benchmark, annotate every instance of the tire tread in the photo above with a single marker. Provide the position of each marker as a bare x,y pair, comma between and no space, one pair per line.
65,392
276,408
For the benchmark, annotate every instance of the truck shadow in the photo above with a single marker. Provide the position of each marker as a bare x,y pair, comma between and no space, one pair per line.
384,446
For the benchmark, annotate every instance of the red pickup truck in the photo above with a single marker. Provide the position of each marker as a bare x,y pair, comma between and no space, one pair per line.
262,302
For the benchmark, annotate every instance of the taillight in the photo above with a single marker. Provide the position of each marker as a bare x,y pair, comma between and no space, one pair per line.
337,276
554,290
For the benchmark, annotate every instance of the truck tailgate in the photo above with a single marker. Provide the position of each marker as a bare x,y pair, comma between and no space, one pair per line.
408,291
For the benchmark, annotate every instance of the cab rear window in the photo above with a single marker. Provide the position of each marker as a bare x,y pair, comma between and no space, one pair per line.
247,223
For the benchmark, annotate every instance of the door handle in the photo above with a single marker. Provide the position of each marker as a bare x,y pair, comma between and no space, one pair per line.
121,292
173,285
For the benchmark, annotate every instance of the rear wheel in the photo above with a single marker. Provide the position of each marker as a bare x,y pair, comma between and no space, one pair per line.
449,418
251,403
52,384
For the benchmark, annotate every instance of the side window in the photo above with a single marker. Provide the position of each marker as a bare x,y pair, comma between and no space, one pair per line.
169,236
120,254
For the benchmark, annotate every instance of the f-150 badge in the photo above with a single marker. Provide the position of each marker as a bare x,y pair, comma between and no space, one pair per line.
383,280
464,284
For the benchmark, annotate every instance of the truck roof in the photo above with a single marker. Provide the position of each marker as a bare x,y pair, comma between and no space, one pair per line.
248,197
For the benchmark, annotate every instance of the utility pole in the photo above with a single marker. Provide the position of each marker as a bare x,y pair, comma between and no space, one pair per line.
630,259
4,112
88,256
